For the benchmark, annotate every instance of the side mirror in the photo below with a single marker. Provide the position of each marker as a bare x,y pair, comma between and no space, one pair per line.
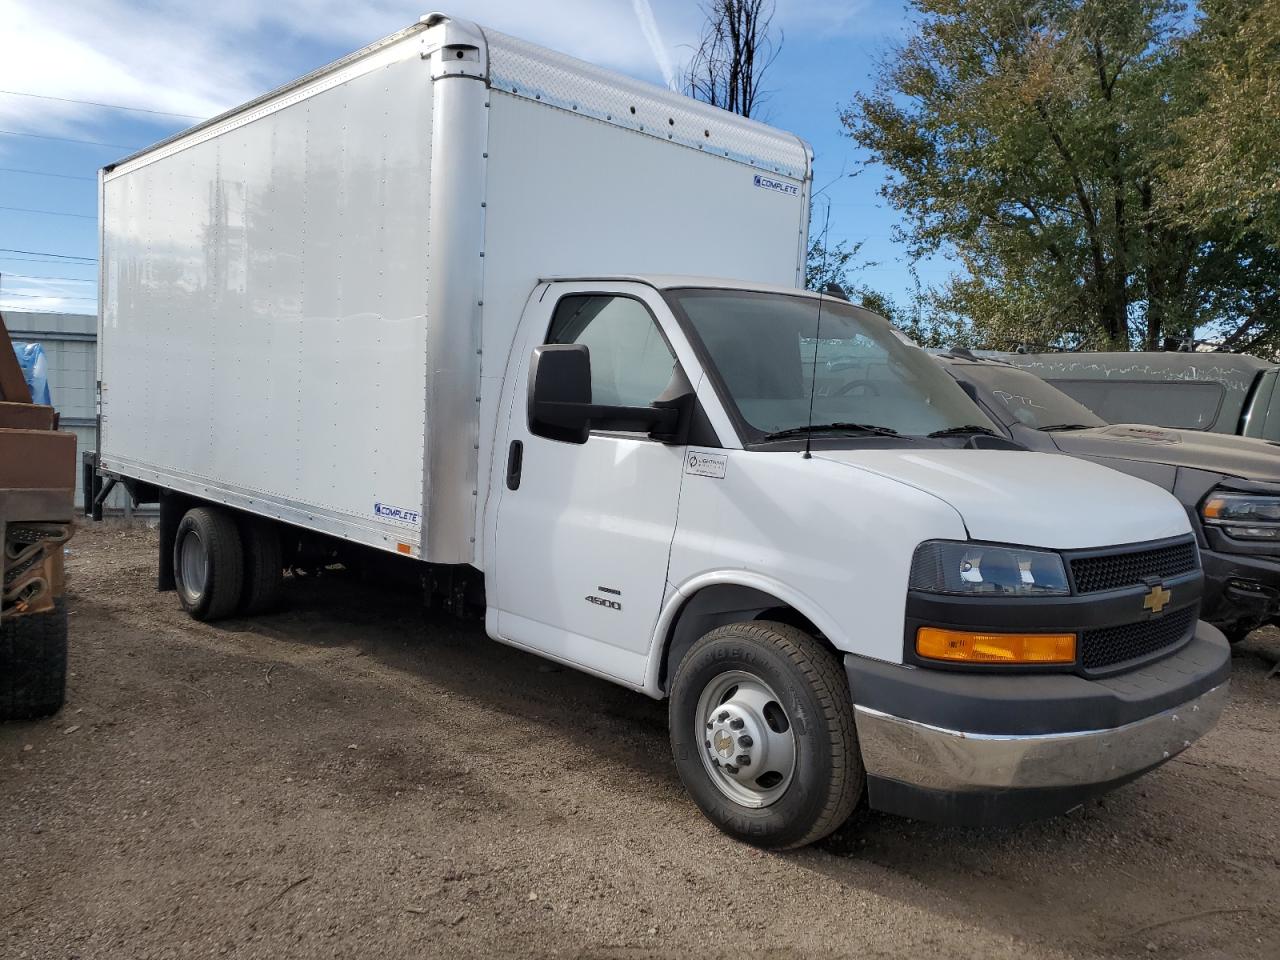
560,392
560,406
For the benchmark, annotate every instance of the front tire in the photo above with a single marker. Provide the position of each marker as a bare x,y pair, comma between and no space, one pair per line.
33,664
762,731
208,564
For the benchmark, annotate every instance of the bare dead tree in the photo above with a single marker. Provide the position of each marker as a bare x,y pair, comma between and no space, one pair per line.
736,49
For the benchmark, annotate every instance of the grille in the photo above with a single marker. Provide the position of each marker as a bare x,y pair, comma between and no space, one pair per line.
1115,570
1111,645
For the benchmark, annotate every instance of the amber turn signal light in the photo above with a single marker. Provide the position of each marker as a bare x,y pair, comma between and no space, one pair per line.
964,646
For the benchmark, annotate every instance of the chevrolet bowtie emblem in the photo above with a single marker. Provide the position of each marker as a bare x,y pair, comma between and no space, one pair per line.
1157,599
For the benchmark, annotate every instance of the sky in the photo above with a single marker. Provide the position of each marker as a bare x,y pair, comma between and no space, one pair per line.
186,60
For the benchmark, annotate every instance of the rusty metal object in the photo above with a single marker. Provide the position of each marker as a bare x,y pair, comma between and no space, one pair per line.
37,460
27,416
37,487
33,575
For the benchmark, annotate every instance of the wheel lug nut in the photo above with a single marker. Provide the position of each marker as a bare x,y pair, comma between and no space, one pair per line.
736,723
744,760
724,715
708,744
745,741
730,768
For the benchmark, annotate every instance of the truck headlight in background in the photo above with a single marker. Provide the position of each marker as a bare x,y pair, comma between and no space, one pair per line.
1244,516
980,569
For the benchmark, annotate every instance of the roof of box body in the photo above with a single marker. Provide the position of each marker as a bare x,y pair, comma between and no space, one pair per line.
531,72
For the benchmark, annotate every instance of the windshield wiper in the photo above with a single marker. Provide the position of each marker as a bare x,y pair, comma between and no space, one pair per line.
968,428
1066,426
867,428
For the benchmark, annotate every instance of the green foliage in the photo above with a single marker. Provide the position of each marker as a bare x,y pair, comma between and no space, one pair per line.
1223,168
1033,143
829,264
1225,163
839,264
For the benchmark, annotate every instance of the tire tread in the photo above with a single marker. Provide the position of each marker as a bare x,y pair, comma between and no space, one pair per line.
263,567
33,664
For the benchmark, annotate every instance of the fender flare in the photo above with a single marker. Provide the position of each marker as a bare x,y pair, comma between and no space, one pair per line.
687,590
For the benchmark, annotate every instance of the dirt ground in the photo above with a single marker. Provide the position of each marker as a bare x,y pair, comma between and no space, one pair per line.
352,778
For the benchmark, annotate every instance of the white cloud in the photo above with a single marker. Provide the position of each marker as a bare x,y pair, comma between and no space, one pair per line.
42,304
21,293
198,57
653,37
836,17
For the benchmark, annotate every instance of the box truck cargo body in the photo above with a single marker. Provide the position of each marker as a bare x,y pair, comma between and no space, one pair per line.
465,301
297,298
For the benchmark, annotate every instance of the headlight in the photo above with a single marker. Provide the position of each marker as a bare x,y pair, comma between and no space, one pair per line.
942,566
1245,516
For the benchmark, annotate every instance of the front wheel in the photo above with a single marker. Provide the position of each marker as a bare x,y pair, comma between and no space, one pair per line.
762,731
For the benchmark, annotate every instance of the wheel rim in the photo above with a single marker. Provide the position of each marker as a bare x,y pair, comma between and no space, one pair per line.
194,566
748,748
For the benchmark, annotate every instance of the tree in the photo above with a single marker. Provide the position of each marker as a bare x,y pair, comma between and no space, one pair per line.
1224,159
1224,167
828,264
733,55
1032,143
735,51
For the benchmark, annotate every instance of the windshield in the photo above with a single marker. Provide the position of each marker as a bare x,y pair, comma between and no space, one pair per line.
762,347
1022,397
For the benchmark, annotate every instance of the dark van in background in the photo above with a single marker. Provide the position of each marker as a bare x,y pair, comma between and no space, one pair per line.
1213,392
1230,486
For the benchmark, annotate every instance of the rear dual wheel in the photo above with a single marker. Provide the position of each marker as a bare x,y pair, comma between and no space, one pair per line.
762,730
222,568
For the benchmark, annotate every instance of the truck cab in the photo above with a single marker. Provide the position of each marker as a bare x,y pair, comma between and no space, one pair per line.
760,503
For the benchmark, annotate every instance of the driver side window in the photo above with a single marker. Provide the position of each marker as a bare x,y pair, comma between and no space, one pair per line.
631,363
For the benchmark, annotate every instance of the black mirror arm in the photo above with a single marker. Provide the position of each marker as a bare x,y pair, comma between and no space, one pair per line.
656,420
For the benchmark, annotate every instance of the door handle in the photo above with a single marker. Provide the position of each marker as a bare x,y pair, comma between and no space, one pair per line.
515,462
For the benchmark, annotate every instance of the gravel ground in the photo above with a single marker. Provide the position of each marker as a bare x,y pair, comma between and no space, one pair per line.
352,778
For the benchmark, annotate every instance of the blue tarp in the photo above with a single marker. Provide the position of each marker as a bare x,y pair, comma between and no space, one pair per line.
35,368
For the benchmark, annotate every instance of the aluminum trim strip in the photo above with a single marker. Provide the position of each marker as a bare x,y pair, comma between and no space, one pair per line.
370,532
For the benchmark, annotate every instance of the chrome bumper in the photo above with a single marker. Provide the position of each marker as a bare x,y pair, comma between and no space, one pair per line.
953,761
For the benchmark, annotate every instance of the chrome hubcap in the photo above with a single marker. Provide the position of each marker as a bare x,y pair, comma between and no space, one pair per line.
748,749
194,566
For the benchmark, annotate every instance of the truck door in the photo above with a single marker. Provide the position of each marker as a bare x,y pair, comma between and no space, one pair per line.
583,531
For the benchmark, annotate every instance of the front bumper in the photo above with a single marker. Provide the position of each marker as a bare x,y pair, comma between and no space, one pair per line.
989,750
1241,590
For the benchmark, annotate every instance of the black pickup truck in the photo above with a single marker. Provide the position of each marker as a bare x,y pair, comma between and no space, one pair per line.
1230,485
1213,392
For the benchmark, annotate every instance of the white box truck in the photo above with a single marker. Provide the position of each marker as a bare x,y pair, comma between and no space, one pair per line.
435,301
